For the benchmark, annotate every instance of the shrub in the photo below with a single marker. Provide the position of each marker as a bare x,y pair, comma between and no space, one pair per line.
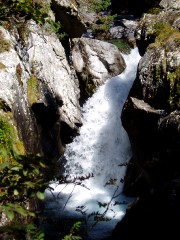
27,9
99,5
21,182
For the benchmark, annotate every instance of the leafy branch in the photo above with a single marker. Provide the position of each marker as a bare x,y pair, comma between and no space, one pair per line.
21,183
28,9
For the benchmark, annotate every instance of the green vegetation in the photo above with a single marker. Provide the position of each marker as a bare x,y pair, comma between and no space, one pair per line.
74,230
6,139
19,196
122,45
22,183
167,37
32,89
103,24
164,33
154,10
9,141
160,71
174,79
104,21
99,5
5,44
89,85
28,9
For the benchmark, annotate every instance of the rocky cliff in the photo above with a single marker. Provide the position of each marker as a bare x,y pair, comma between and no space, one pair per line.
40,82
151,118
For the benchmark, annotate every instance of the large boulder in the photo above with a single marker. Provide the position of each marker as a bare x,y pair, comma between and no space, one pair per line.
95,61
66,11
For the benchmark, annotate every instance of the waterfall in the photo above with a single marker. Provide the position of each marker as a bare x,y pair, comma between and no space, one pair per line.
99,154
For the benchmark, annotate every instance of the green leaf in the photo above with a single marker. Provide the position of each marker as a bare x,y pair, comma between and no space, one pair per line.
42,165
15,168
36,171
5,164
30,227
25,172
21,210
40,195
41,236
9,214
29,184
32,214
16,192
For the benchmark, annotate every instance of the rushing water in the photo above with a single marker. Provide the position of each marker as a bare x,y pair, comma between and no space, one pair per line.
98,152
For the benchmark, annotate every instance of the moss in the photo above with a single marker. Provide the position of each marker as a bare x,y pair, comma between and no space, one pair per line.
154,10
9,140
90,88
5,44
122,45
32,89
168,33
163,33
157,73
174,80
2,66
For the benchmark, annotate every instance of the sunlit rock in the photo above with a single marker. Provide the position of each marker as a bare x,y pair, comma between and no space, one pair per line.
173,4
95,61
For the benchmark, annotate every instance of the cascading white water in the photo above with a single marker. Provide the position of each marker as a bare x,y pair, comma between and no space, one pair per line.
100,150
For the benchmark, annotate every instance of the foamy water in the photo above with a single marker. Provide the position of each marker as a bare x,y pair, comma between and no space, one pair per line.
98,151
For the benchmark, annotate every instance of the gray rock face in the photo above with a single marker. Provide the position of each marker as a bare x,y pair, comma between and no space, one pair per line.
48,61
156,84
155,70
173,4
13,92
67,13
37,59
125,30
96,61
151,118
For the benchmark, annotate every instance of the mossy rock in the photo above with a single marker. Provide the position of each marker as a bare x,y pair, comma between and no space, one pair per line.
174,79
32,89
9,139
